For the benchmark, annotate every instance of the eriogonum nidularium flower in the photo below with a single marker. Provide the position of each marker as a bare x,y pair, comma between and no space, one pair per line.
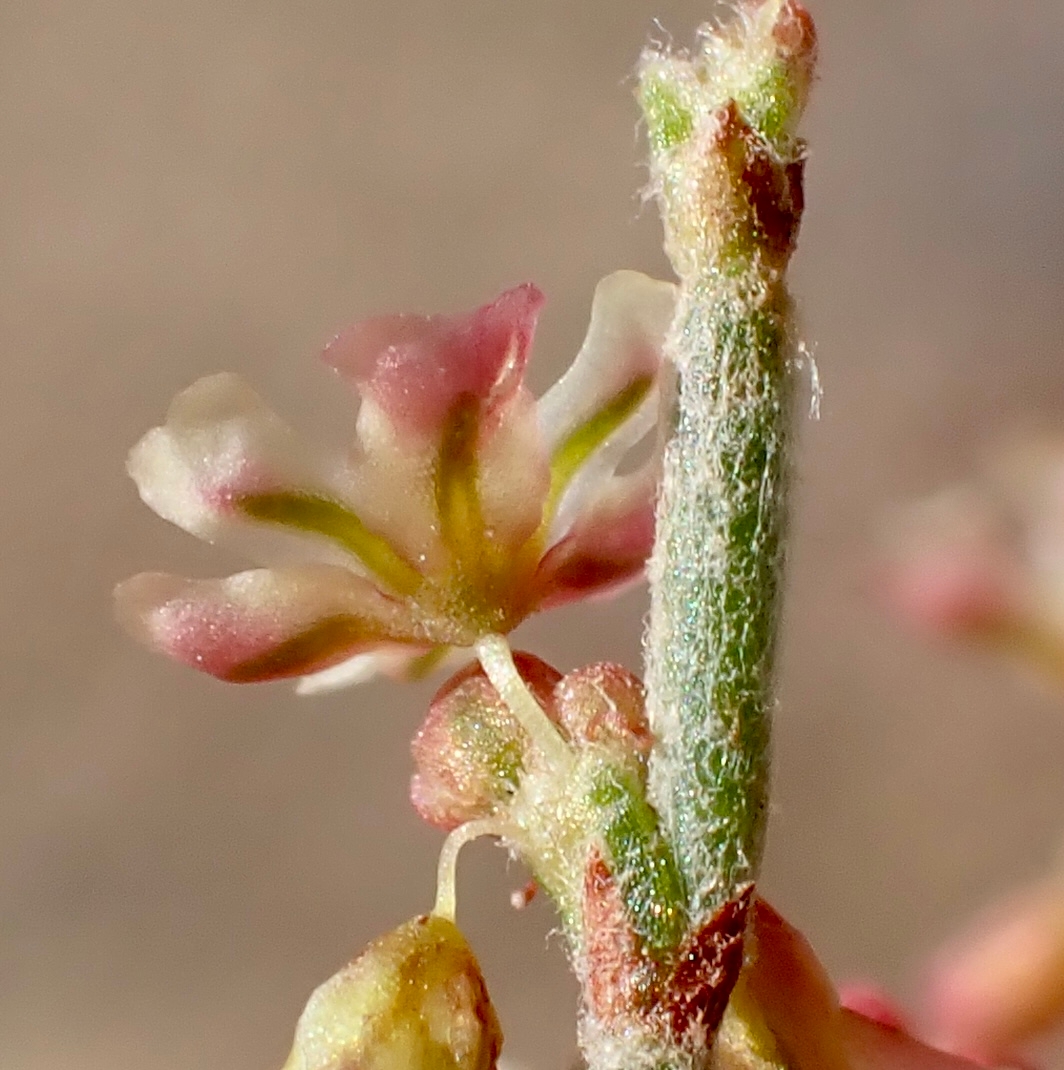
464,505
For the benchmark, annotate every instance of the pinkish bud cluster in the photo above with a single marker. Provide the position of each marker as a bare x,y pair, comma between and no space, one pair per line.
471,752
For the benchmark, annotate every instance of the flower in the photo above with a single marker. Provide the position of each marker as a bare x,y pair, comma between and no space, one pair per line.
464,505
983,562
414,998
1001,984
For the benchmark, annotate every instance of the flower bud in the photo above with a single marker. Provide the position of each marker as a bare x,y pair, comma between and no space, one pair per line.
470,750
603,703
726,164
413,1000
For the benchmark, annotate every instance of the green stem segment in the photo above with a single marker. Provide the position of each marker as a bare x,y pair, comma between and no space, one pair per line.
716,570
726,168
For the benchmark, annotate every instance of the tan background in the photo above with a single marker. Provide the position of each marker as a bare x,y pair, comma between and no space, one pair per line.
186,187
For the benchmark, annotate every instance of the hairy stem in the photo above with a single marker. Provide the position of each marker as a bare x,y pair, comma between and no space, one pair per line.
716,568
726,170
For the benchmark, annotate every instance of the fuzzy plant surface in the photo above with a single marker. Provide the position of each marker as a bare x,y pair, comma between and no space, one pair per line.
726,170
465,504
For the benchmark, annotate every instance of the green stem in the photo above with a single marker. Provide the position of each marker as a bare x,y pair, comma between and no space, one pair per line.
650,881
716,569
726,168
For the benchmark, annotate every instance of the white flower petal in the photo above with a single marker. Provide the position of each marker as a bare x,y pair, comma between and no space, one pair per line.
356,670
221,440
621,357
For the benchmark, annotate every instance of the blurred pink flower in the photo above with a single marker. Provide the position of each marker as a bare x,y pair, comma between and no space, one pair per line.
1002,983
464,505
984,561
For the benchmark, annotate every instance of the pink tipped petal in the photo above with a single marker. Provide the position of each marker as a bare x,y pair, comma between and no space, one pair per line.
954,565
951,593
264,624
606,548
794,993
415,368
872,1002
221,443
795,997
219,435
630,315
608,399
870,1045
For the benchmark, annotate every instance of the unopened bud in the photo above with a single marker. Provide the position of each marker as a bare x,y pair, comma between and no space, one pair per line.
413,1000
470,750
726,164
605,704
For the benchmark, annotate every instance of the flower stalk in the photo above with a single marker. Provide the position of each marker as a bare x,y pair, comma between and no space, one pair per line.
496,658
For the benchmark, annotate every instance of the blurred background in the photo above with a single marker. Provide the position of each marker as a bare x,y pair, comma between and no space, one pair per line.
222,184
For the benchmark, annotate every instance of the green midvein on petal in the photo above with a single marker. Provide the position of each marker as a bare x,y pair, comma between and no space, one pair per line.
585,439
457,495
318,515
